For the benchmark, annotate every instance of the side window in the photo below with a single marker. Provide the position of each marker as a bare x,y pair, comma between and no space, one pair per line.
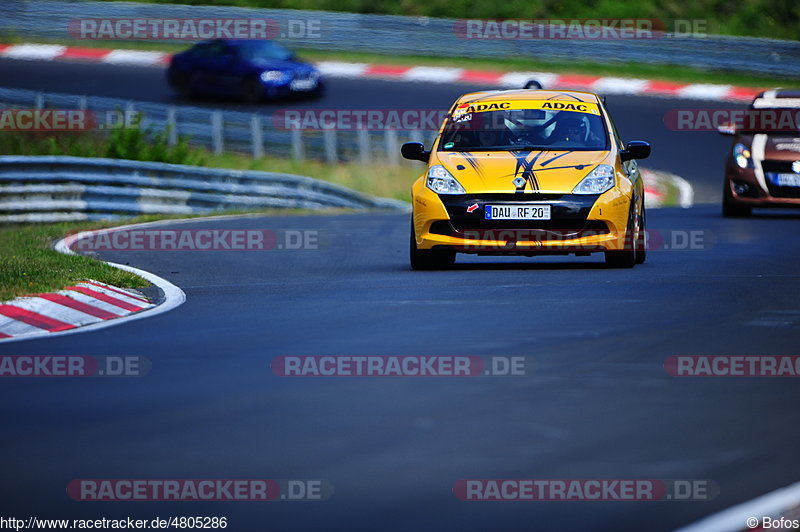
211,50
217,50
200,50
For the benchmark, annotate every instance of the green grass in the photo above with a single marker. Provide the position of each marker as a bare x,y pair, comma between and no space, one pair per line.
28,265
676,73
376,180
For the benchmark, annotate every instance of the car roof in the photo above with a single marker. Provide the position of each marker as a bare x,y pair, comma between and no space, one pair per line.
777,98
529,94
237,42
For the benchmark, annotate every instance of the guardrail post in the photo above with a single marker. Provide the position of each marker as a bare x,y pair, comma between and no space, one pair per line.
38,101
172,126
329,136
256,137
298,151
216,133
364,147
129,116
392,150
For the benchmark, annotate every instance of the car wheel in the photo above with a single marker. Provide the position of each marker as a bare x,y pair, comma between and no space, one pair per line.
182,85
252,91
641,240
625,258
730,209
429,259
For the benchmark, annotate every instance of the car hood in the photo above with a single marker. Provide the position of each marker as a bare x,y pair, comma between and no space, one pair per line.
783,147
555,172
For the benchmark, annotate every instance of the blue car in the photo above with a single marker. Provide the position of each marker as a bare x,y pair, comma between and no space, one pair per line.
253,70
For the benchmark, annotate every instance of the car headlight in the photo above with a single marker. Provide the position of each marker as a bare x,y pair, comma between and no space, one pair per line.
741,155
597,181
440,181
271,75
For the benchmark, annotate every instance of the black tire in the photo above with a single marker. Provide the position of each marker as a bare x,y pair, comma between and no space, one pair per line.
252,91
429,259
731,209
624,258
641,242
182,84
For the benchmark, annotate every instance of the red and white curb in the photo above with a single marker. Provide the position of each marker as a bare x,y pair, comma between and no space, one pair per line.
750,515
657,185
75,306
427,74
85,306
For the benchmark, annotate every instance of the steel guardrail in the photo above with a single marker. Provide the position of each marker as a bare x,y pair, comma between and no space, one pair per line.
61,188
229,131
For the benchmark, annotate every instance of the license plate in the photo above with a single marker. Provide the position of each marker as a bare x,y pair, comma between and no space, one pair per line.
517,212
303,84
786,180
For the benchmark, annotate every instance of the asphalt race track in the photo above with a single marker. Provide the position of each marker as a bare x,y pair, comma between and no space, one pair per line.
599,404
696,156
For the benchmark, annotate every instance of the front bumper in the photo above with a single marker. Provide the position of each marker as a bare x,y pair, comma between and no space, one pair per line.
289,86
744,188
578,224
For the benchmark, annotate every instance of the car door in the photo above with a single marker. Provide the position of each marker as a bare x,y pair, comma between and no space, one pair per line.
216,68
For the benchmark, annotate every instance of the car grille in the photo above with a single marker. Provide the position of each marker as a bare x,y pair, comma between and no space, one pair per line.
568,212
541,230
783,192
779,167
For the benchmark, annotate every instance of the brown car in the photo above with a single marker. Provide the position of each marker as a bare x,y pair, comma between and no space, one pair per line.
763,166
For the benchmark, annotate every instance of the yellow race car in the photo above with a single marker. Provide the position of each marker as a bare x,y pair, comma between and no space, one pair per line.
528,172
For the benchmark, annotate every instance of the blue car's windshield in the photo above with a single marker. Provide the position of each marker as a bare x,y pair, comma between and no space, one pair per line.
263,50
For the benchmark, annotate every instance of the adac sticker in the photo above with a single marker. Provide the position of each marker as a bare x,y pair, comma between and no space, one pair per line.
547,105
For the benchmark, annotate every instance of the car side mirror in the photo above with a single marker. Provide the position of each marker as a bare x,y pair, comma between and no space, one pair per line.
726,129
415,151
636,149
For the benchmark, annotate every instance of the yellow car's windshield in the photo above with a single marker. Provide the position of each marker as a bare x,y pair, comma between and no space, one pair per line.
512,129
